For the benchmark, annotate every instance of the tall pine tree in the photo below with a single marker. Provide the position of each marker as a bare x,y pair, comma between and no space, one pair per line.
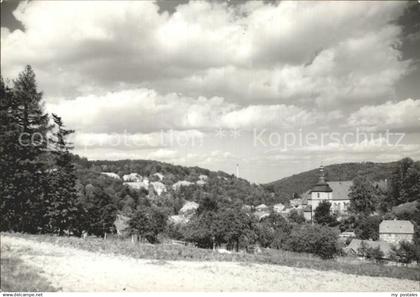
62,207
9,135
24,145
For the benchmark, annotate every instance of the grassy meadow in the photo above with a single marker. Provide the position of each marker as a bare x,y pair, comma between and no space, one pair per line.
16,276
168,252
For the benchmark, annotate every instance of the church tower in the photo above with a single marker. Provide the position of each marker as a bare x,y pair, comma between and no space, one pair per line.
320,191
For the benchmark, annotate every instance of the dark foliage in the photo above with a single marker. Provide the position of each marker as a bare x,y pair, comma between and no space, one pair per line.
362,197
370,253
406,252
405,183
24,167
296,217
315,239
368,227
323,214
148,223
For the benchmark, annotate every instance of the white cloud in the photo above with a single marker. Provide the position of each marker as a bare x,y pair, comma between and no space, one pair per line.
329,52
402,116
127,141
144,110
116,70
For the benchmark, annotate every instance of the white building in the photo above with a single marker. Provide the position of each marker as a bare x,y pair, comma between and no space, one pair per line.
395,231
111,175
337,193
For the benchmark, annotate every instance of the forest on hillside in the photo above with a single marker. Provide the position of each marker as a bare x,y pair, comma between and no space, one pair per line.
295,185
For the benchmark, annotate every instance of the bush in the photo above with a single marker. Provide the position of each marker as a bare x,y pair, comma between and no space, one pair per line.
374,254
368,227
272,231
175,231
315,239
323,214
405,253
296,217
265,235
279,239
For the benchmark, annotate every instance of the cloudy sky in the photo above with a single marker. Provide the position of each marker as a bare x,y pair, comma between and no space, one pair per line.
276,87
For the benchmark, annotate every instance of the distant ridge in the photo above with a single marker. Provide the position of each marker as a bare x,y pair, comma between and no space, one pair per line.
302,182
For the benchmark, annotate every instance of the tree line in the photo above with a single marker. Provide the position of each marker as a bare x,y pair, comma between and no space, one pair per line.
37,179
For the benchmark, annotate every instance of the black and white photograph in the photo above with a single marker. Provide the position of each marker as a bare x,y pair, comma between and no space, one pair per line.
210,146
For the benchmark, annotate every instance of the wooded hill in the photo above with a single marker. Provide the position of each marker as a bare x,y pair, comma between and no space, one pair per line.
280,191
218,183
297,184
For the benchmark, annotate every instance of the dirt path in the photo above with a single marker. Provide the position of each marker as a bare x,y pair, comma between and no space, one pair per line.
78,270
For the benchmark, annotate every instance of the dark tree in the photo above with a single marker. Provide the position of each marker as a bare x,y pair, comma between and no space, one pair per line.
367,227
204,230
406,252
405,183
9,150
100,211
316,239
296,217
237,227
63,208
323,214
148,223
272,230
24,155
362,197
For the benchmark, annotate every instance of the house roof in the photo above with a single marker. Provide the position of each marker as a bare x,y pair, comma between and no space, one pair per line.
261,207
355,244
396,226
261,214
341,189
307,208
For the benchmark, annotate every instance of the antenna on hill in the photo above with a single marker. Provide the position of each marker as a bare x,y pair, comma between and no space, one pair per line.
237,170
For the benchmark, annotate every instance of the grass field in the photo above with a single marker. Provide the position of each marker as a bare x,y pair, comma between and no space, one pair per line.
18,277
269,256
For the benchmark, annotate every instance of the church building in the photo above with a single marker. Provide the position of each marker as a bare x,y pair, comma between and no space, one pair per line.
337,193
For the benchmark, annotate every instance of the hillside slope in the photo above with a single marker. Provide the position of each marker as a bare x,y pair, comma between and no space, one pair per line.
216,184
300,183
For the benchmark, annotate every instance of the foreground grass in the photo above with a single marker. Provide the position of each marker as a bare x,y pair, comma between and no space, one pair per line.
19,277
268,256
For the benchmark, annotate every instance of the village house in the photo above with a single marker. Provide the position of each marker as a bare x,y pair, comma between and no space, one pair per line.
182,183
111,175
356,245
395,231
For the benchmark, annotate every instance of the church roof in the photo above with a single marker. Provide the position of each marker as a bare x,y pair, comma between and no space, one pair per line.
341,189
321,188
